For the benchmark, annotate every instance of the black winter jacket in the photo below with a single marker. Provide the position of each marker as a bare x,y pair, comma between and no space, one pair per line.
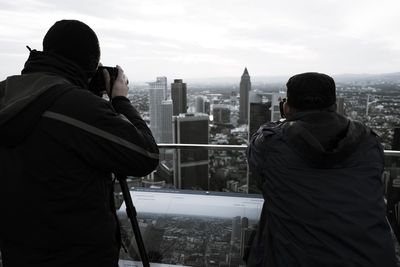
59,144
320,175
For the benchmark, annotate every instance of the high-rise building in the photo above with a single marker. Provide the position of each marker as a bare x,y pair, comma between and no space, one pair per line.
161,83
245,88
264,107
157,91
340,105
166,122
236,229
191,165
396,139
233,98
221,114
207,107
179,97
199,102
276,98
245,236
260,112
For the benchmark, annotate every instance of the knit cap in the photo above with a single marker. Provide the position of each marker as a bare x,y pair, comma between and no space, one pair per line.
311,90
75,41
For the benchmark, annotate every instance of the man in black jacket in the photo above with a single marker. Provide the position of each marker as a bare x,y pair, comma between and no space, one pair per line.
320,175
59,144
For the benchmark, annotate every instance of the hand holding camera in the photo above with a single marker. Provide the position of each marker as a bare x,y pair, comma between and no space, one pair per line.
110,80
120,86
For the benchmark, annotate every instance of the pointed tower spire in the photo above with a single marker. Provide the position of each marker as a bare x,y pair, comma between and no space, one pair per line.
245,87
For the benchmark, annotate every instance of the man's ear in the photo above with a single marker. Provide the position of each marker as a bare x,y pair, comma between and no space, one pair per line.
288,110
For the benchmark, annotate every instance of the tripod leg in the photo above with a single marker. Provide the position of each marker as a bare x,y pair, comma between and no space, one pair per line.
131,212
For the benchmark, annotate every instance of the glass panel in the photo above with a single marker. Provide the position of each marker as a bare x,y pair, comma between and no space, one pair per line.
190,228
177,232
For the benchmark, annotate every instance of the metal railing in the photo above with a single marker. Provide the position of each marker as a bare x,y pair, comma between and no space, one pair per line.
395,153
238,157
208,146
238,147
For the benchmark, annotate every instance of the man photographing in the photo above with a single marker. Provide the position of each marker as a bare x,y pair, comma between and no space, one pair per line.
320,175
59,144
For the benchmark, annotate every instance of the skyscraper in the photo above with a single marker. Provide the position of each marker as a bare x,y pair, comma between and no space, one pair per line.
236,229
260,112
179,97
221,114
200,104
245,87
396,139
207,107
191,165
264,107
340,105
166,122
157,92
276,98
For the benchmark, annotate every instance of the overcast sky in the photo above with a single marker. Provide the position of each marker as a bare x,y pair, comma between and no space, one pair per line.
216,38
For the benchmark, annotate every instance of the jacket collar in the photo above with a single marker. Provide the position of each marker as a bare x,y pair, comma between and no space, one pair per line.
52,63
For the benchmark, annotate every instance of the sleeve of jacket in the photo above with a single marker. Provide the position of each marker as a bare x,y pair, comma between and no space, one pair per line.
257,149
110,136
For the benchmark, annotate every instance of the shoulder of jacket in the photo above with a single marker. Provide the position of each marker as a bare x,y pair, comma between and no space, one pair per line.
272,128
81,103
267,132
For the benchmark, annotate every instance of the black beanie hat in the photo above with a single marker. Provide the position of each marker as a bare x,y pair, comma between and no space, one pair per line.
311,90
76,41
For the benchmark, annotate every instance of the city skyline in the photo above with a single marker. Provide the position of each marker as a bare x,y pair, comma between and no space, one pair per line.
201,39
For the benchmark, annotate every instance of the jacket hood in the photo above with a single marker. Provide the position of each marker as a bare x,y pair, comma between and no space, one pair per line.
323,137
24,98
17,92
57,65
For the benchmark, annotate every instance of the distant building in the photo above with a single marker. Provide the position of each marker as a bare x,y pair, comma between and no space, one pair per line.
275,99
245,235
207,108
245,88
166,121
233,98
264,107
152,239
179,97
396,139
236,229
260,112
221,114
199,105
191,165
340,105
157,92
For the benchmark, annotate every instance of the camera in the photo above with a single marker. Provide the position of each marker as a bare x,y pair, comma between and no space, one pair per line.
283,100
98,84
